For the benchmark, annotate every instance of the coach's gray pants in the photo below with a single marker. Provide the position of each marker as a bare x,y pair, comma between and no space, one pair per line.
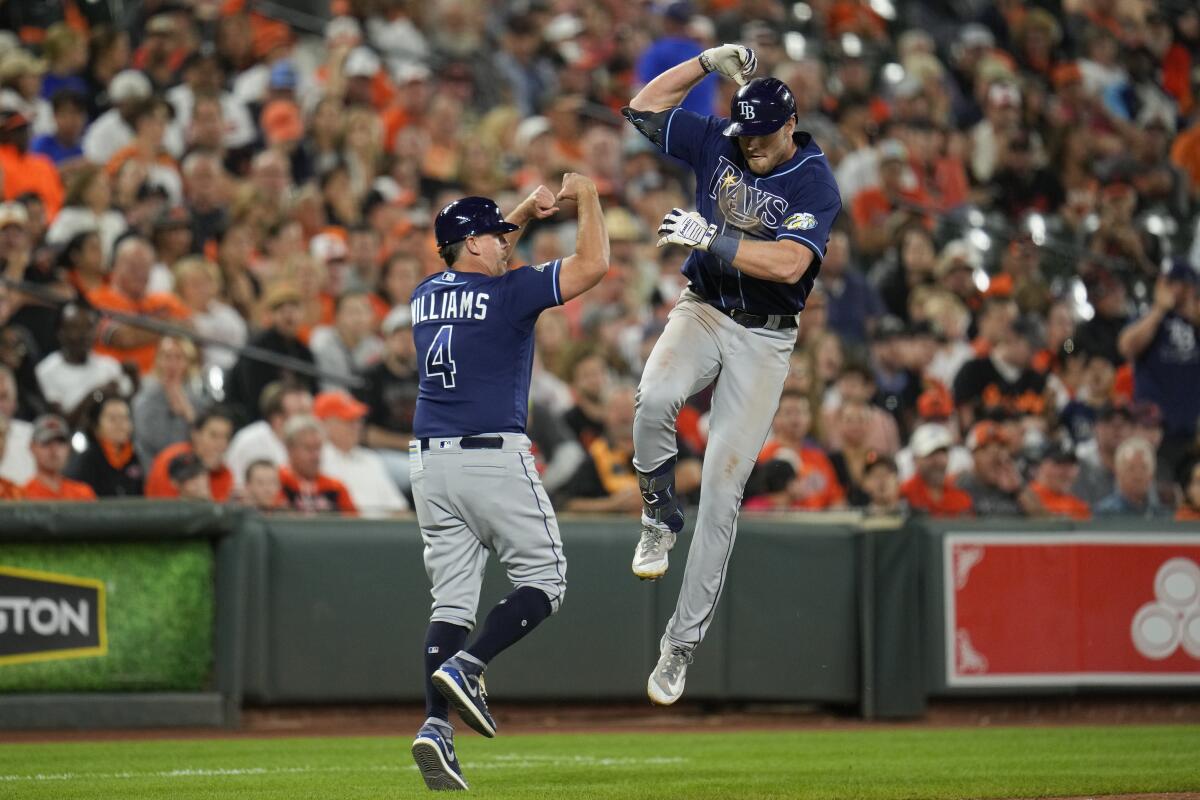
470,502
699,345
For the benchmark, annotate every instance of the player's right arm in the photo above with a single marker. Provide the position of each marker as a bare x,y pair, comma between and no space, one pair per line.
584,269
668,89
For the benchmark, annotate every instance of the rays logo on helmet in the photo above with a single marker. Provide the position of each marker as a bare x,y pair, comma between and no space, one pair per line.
802,221
746,109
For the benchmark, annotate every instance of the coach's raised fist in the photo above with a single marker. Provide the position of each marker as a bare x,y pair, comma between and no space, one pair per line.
731,60
574,185
540,203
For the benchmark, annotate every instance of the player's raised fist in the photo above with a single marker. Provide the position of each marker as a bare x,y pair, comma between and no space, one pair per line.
573,185
731,60
540,203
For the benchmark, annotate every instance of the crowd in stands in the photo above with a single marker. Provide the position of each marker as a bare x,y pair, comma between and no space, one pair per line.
200,199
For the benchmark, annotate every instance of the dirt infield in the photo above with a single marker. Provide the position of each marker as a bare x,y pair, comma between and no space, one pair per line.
687,717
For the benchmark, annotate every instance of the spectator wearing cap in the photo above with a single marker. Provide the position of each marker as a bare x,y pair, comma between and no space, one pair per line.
199,283
249,377
1187,475
1093,391
208,440
8,489
1108,298
109,463
1097,457
854,305
127,294
65,145
165,45
169,399
817,487
1056,472
16,460
51,448
189,478
75,371
390,394
349,346
113,130
26,171
994,484
1001,122
935,409
20,89
1002,381
305,487
931,489
1136,494
882,210
263,440
362,471
898,387
881,482
1164,346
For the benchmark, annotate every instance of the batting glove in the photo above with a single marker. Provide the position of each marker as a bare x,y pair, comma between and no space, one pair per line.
731,60
687,228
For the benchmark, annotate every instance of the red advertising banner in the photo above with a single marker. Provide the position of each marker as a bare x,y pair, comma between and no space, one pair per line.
1078,609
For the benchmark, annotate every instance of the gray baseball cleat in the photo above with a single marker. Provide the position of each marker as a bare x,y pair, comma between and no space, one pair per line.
650,556
666,681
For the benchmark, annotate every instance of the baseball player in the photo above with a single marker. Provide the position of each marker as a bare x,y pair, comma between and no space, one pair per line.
474,484
766,202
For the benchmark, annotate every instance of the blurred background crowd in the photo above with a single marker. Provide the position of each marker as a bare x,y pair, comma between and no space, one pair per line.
213,220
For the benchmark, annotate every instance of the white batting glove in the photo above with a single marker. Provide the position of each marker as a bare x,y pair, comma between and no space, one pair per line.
731,60
687,228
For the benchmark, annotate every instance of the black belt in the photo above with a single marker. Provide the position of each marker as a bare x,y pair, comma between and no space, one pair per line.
776,322
471,442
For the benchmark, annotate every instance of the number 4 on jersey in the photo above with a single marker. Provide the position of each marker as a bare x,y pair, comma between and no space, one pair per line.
439,360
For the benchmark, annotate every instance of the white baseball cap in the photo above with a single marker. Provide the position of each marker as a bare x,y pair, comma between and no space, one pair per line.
326,247
399,317
929,438
361,63
129,84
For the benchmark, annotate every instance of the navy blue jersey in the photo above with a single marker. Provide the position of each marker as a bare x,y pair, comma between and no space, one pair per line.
474,338
798,200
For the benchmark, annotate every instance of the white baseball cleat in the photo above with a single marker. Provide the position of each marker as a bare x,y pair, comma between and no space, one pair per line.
650,556
665,685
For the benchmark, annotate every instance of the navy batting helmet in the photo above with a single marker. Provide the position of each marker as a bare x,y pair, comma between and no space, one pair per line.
760,107
469,216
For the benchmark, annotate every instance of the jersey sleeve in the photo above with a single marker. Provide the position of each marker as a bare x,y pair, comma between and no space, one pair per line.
688,136
810,216
530,290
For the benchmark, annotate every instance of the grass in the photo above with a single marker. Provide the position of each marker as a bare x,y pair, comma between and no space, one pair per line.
905,763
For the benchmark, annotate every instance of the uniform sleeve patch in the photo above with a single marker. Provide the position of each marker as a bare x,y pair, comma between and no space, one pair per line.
802,221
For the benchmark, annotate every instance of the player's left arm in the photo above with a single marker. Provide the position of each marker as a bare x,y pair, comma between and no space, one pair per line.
540,204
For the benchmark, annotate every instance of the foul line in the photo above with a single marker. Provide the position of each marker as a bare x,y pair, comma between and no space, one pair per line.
511,761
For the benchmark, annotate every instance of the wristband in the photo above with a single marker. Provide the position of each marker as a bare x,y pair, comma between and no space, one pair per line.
725,247
705,64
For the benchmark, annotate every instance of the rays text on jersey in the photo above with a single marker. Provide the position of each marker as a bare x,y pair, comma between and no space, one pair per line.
453,304
743,205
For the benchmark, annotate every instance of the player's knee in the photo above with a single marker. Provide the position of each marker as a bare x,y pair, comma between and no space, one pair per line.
655,401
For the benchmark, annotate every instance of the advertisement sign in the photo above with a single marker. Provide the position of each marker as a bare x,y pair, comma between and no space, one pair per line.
1068,610
45,616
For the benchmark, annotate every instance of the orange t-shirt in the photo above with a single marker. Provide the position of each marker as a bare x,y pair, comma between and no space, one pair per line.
1061,505
68,489
162,305
1187,514
10,491
954,502
31,172
322,495
871,207
158,482
816,471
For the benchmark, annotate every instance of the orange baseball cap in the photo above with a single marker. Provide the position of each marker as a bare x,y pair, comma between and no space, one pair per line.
985,433
281,122
338,405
